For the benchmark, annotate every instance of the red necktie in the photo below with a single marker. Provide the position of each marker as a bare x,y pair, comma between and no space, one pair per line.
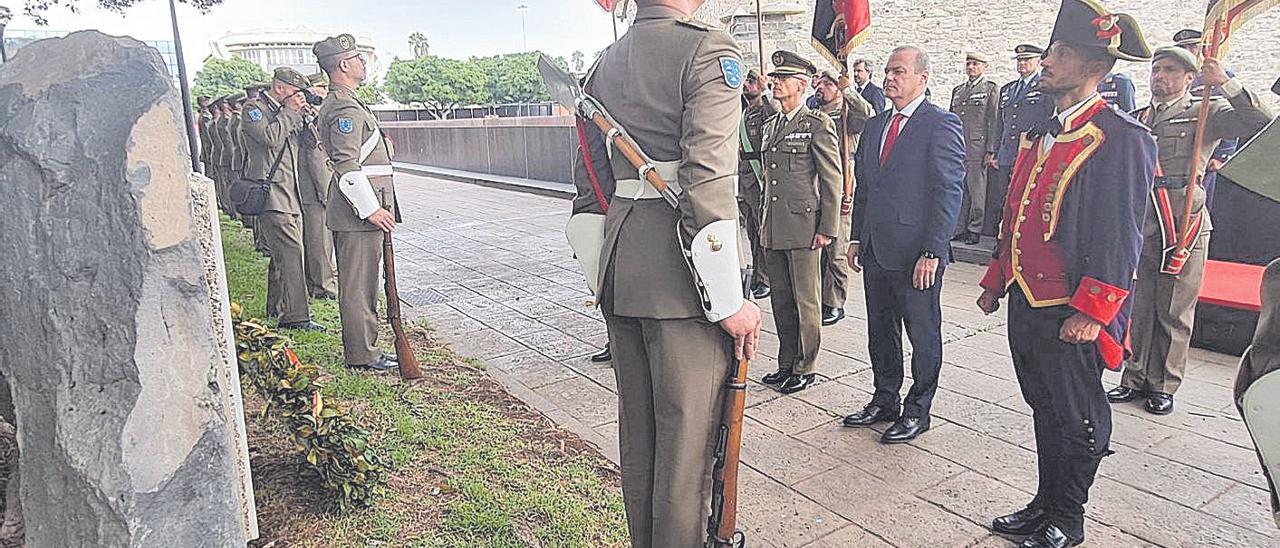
894,127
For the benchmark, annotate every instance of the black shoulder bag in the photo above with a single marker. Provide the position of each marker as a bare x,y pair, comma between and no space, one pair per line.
250,195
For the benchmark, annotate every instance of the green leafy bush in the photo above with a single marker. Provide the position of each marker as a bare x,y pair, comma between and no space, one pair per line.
330,440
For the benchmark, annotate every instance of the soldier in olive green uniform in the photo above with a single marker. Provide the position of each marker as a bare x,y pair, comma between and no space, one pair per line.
802,192
757,107
1164,302
835,96
362,202
215,149
673,84
314,176
235,134
977,103
270,126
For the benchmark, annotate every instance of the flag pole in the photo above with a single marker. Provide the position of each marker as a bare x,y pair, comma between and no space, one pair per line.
760,36
1193,176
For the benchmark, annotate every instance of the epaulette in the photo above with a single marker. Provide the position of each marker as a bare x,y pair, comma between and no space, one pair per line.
818,115
694,23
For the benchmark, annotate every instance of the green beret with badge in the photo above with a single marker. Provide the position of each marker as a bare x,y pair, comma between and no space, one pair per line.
334,45
787,63
318,80
291,77
1179,54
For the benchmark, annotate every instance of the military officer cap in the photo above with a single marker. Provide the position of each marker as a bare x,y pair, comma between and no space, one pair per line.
1027,51
1187,37
975,56
787,63
1180,55
1084,23
318,80
334,45
291,77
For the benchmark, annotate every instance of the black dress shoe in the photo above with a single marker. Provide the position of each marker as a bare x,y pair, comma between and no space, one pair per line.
604,355
796,383
870,415
1049,537
1159,403
1123,394
959,237
1027,521
832,315
905,430
382,365
760,292
303,326
972,238
325,296
776,377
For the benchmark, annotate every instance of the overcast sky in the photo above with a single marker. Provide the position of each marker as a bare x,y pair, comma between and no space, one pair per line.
455,28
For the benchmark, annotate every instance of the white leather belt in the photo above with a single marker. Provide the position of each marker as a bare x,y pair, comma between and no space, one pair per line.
371,171
639,189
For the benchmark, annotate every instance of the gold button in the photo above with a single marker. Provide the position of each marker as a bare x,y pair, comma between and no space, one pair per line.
1111,297
1032,185
773,165
1017,234
1026,202
1094,290
1039,275
774,149
1045,217
1048,206
1017,251
775,183
1022,218
1040,169
775,198
808,209
1019,269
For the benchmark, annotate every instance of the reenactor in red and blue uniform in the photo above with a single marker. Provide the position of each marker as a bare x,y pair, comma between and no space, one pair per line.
1069,244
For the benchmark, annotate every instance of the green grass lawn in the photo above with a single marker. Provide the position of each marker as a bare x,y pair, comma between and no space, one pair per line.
469,465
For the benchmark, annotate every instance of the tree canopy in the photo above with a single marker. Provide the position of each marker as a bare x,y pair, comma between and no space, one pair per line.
36,9
437,83
222,76
512,78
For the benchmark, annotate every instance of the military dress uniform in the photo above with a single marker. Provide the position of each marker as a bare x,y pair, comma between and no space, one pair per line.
673,83
1165,302
802,192
1118,91
835,268
215,150
1022,104
750,181
1068,246
362,183
314,177
270,128
977,103
239,154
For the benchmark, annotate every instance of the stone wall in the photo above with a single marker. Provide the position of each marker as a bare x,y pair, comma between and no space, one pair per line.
949,29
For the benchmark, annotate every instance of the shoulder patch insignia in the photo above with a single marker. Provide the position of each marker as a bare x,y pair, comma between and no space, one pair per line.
255,115
345,125
732,69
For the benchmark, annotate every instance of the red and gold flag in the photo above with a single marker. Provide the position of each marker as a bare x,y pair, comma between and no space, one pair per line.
1225,16
607,5
839,26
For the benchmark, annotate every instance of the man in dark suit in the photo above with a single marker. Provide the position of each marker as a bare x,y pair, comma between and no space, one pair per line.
910,172
869,90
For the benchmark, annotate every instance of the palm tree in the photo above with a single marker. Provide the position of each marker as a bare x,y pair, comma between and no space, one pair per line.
421,46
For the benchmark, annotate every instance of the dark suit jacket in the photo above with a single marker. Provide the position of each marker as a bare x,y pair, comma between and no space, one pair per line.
874,95
912,203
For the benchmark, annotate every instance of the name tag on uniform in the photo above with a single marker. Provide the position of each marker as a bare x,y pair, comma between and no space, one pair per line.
1181,120
799,135
977,96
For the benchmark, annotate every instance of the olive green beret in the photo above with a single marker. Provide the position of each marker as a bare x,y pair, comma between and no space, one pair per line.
1178,54
334,45
318,80
237,97
975,56
291,77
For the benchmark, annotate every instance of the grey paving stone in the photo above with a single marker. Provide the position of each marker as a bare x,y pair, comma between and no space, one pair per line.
1164,478
1214,457
989,456
975,384
852,536
976,497
771,513
987,418
485,344
1246,506
1161,521
583,400
790,414
782,457
838,398
531,369
557,345
905,468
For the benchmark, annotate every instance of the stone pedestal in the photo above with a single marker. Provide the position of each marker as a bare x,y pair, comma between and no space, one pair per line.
126,427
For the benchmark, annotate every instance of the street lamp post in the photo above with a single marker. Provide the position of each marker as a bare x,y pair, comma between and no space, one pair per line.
5,16
524,32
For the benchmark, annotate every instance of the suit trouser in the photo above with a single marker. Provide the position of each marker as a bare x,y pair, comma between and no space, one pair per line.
1164,312
322,275
670,377
1062,383
892,302
749,210
835,268
973,207
997,190
359,256
286,282
796,278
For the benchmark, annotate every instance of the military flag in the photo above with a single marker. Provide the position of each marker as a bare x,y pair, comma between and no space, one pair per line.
607,5
1225,16
839,26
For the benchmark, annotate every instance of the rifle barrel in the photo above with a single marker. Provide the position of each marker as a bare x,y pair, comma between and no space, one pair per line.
409,367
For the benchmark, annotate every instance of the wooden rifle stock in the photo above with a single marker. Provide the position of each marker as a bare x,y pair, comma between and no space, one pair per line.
722,526
409,368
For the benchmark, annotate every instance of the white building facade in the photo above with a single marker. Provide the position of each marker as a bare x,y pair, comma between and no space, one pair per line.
272,48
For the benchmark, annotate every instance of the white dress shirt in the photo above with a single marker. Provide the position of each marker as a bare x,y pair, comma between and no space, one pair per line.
906,112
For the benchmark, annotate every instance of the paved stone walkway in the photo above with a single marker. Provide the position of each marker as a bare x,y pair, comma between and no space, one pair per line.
491,271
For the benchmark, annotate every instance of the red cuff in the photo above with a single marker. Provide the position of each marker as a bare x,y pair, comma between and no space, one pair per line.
994,278
1098,300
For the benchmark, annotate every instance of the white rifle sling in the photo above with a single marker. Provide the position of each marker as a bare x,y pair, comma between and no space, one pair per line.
585,232
716,263
1261,411
356,187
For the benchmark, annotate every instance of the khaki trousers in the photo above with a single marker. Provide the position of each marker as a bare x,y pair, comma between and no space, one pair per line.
835,269
359,256
670,377
974,205
749,214
317,247
1164,311
796,280
286,282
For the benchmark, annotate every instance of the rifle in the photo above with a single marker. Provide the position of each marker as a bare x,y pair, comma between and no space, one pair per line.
722,528
409,368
